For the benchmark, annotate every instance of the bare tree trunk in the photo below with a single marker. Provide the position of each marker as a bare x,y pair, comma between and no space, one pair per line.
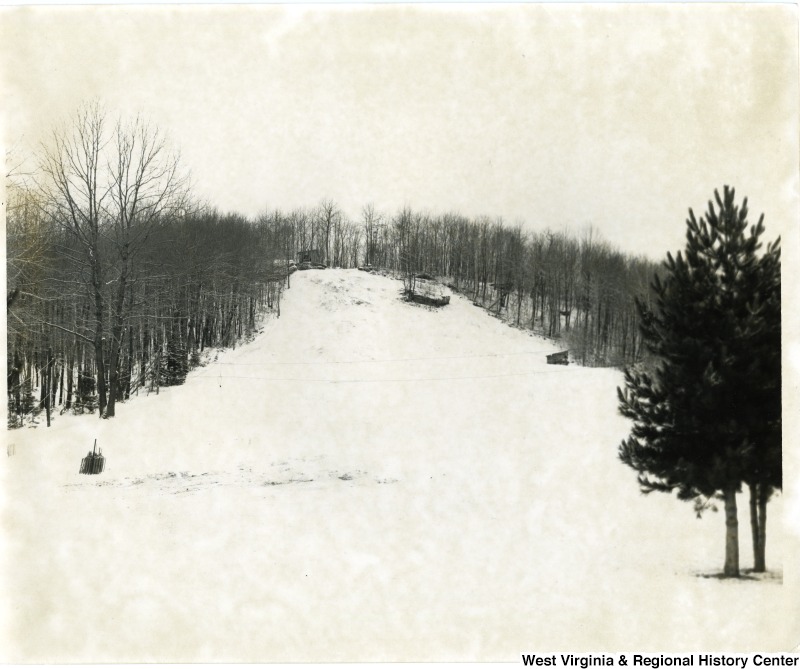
101,375
113,374
116,340
99,353
129,374
158,371
99,345
61,381
70,364
46,383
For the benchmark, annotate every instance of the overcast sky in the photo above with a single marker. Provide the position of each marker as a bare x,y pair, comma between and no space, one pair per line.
561,116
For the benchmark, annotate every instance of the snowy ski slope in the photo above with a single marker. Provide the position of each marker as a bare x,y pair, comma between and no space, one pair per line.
367,480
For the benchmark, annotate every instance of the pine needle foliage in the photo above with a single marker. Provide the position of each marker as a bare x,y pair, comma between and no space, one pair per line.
707,418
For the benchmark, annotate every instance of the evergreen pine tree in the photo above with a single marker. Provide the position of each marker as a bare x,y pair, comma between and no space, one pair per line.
762,340
86,395
707,418
177,363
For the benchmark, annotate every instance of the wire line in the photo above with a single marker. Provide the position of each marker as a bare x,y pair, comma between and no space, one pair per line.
411,380
360,362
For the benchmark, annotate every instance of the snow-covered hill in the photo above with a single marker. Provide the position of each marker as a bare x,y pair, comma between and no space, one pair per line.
367,480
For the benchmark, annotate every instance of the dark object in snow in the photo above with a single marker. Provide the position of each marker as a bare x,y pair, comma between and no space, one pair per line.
428,292
94,462
431,301
560,358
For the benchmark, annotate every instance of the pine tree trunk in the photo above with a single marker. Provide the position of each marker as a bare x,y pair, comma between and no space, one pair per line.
761,544
731,568
754,521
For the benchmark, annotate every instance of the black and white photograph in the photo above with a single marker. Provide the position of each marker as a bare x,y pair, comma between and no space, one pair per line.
399,332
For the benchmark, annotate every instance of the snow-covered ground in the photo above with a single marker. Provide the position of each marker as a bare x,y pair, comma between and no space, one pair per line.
367,480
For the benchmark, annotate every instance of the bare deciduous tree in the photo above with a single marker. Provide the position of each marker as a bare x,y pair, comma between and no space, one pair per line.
107,190
146,187
75,187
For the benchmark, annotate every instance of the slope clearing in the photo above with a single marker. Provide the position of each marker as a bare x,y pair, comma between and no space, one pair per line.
367,480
